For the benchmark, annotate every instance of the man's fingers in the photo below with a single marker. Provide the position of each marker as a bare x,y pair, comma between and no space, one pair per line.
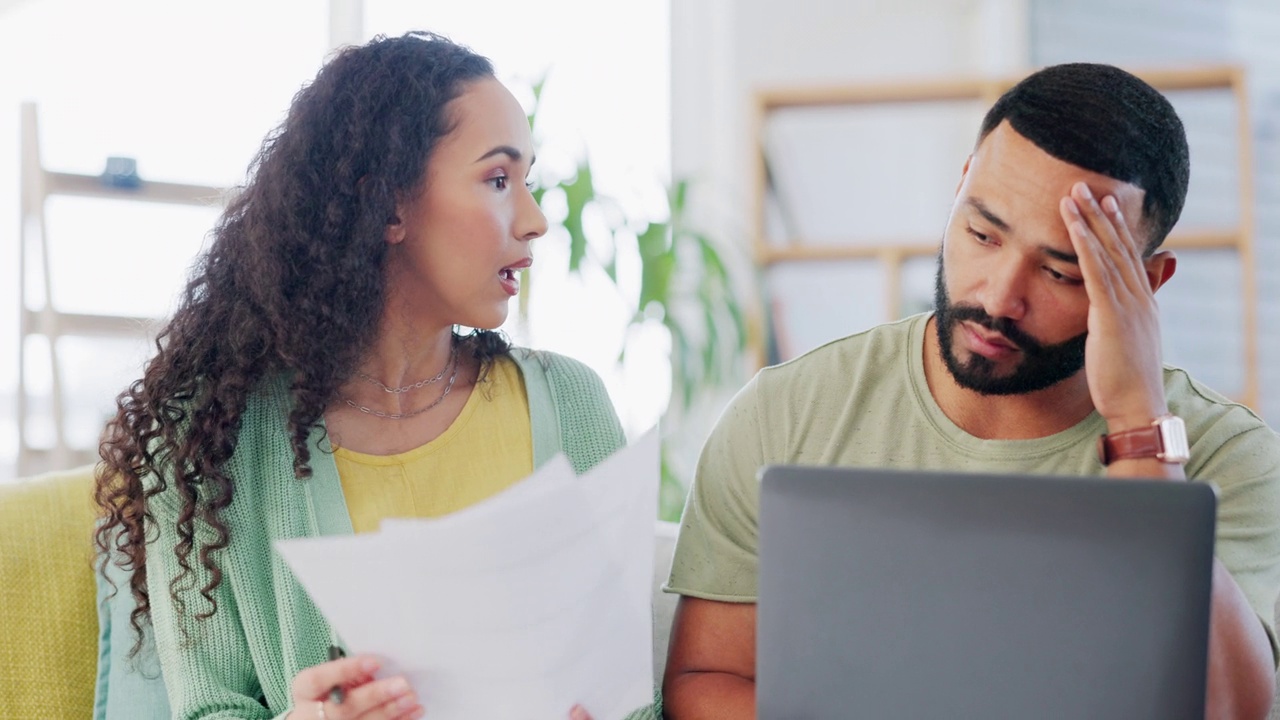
1097,221
1105,225
1089,254
314,683
1127,241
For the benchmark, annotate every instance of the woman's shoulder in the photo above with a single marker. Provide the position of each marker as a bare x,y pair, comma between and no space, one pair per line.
569,400
560,370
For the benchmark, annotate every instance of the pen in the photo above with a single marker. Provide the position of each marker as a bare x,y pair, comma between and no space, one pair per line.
336,693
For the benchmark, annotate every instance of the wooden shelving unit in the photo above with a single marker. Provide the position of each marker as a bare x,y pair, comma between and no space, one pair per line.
40,317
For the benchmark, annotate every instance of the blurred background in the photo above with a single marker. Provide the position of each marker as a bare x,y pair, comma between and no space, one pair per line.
730,182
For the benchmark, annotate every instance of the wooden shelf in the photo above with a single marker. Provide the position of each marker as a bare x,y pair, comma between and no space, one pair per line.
969,88
53,323
808,251
60,183
42,318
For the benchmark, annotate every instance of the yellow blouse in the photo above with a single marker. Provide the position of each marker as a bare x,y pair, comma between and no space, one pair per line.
488,448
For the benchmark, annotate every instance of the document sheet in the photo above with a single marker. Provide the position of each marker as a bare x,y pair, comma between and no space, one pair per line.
520,606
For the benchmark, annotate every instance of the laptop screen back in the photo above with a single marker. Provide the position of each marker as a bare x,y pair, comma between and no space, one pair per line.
887,594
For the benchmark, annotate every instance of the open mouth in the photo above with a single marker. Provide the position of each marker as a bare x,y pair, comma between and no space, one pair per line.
509,276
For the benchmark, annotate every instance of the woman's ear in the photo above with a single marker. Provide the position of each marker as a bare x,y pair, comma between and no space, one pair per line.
395,228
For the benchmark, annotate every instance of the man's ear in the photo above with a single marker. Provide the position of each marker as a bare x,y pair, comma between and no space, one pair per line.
1160,267
964,172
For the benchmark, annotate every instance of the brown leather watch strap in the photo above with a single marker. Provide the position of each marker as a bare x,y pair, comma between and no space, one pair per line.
1139,443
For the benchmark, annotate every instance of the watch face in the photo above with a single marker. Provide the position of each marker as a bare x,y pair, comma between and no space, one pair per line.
1173,438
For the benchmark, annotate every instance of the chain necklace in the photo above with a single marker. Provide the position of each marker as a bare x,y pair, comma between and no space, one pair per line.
404,416
453,357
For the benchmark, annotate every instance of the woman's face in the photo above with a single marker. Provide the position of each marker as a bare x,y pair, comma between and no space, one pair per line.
461,241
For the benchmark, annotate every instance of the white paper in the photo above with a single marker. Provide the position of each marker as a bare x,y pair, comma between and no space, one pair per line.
521,606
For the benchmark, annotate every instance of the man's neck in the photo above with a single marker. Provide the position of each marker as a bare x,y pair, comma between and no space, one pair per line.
1003,417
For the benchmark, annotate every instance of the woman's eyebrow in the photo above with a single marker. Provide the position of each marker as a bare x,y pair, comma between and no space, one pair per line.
507,150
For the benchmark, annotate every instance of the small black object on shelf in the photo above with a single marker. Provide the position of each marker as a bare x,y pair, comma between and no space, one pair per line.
121,172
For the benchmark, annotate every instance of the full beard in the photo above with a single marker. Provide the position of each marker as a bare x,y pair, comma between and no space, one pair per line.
1041,366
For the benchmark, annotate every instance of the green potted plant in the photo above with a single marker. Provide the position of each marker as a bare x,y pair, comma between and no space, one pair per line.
685,283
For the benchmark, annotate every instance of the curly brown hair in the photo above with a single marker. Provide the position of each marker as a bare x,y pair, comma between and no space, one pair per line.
291,286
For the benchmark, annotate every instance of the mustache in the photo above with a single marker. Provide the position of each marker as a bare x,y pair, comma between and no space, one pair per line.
1004,326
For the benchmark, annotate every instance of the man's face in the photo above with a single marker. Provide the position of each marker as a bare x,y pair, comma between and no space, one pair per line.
1039,366
1012,312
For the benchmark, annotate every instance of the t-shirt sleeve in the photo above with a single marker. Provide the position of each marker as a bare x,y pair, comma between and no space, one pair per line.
715,556
1246,470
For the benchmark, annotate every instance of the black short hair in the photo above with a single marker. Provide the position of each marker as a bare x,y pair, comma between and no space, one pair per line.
1108,121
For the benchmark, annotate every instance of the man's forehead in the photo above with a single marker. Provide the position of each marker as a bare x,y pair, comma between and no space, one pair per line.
1023,165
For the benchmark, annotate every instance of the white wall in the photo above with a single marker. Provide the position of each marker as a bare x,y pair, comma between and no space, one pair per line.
1256,31
722,51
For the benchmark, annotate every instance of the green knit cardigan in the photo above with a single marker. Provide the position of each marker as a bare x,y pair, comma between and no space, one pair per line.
240,662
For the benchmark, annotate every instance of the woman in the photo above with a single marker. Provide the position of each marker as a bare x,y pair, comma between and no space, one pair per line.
312,382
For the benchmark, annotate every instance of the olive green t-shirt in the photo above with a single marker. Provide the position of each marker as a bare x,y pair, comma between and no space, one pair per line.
863,401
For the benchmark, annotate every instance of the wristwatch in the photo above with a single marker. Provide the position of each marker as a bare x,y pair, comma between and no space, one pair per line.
1164,440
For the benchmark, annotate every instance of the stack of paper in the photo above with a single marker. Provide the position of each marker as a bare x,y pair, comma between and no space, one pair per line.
518,607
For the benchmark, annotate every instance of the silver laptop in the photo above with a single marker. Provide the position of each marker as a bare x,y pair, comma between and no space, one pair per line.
905,595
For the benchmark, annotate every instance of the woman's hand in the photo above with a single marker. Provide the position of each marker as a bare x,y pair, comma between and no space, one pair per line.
364,697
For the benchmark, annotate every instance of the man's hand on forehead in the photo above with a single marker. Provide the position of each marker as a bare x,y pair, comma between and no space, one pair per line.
1123,353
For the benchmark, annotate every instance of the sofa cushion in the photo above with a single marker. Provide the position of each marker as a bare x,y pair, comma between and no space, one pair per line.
48,621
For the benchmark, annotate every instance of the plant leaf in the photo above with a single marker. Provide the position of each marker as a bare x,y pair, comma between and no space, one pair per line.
657,263
578,193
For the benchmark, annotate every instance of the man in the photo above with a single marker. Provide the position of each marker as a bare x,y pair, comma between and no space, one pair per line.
1045,336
